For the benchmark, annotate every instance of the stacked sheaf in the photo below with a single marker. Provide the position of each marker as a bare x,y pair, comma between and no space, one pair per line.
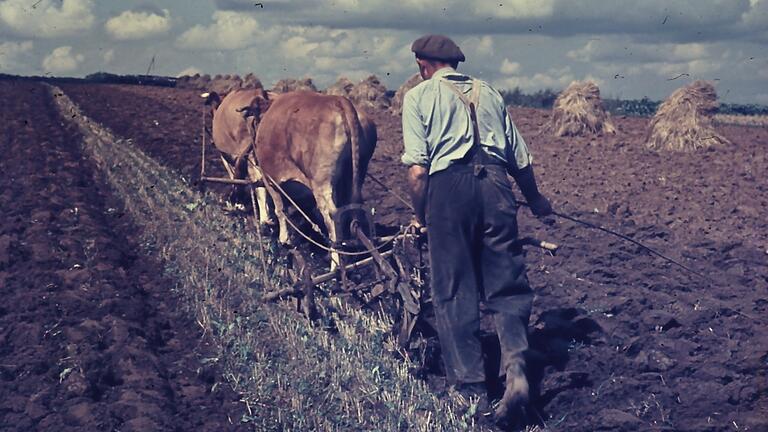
397,101
369,93
578,111
290,84
221,84
684,122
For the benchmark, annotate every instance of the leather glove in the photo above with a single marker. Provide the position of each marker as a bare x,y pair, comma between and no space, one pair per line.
526,181
546,217
540,206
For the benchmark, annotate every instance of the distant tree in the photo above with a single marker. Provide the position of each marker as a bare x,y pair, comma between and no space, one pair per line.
540,99
643,107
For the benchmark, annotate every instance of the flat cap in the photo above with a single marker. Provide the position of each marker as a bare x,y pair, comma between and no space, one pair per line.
437,47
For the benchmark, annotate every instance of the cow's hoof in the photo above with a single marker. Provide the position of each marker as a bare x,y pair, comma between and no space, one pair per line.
233,207
266,230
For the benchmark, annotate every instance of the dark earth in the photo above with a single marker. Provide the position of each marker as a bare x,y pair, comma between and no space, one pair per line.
91,336
620,339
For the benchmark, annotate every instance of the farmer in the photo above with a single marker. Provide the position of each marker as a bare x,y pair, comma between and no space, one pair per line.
460,144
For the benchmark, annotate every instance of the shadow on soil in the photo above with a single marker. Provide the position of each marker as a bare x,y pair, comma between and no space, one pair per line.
555,334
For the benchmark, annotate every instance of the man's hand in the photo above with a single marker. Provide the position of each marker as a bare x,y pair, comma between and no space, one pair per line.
542,209
540,206
416,227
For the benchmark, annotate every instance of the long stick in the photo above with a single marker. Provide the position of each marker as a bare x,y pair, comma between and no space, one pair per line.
257,225
623,237
389,189
325,277
227,180
202,161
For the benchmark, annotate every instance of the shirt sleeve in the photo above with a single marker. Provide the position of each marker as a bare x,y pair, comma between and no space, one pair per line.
414,133
517,149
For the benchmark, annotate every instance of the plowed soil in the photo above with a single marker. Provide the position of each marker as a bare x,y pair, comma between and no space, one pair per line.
92,338
620,339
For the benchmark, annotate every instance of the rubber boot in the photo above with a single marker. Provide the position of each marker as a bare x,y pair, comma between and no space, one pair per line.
511,409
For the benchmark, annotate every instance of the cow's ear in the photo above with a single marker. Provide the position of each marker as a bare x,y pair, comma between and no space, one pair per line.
263,104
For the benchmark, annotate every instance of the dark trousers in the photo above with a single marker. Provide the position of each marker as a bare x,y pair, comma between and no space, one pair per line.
472,231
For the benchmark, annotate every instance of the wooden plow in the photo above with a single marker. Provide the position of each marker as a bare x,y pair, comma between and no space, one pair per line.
394,267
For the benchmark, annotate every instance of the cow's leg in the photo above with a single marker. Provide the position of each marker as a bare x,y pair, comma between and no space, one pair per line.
235,195
324,199
228,167
277,200
254,174
261,198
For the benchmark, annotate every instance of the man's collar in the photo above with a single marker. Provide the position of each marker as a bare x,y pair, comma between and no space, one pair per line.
443,72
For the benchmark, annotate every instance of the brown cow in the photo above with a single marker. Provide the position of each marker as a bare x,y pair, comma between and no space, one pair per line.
234,128
321,142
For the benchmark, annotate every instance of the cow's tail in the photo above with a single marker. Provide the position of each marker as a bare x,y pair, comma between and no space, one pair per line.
354,132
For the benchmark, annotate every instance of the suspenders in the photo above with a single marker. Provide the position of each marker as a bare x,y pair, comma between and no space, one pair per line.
475,153
471,103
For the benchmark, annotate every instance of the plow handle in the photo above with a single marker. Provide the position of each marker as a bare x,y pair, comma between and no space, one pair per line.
552,247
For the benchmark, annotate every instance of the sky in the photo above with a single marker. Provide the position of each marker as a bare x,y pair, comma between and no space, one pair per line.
630,48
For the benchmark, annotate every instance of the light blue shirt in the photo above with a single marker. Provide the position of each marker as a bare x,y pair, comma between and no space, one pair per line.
437,128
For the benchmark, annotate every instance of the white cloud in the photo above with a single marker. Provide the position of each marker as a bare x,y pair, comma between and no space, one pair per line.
342,52
599,82
553,79
325,54
703,67
108,56
326,64
384,46
622,57
688,51
694,69
474,47
515,9
297,47
757,13
131,25
685,20
47,18
299,41
229,31
14,55
623,49
346,4
509,68
637,46
62,60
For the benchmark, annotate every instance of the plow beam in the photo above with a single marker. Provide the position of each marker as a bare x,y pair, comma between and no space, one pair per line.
227,180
